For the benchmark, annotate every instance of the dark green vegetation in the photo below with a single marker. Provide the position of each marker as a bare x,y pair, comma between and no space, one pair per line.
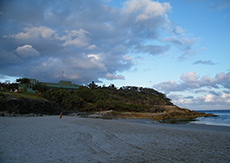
94,98
85,99
23,80
15,107
125,102
21,95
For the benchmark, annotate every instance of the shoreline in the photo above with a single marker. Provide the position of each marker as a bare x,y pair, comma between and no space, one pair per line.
189,126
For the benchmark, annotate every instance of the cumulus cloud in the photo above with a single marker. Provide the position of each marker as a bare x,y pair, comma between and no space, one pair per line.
212,99
89,62
209,100
76,38
91,47
27,51
189,77
112,77
146,9
90,40
34,32
191,81
178,30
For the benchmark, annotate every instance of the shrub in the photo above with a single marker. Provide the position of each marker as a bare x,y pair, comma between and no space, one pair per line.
86,94
41,87
88,108
101,105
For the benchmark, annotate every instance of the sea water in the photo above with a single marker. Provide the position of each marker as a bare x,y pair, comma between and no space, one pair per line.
222,119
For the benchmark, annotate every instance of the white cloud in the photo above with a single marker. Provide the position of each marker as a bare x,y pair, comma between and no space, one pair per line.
95,56
76,38
34,32
209,98
189,77
27,51
191,81
178,30
91,62
207,101
71,31
91,47
146,9
110,76
206,80
167,86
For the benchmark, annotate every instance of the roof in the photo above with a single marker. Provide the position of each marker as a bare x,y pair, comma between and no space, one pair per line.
62,84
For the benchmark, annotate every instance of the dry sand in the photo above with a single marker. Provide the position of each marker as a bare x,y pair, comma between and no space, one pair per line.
74,139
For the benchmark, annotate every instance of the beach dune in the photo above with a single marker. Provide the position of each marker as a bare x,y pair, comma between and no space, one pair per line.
75,139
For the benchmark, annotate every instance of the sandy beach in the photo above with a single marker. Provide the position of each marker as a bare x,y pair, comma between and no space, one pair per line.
75,139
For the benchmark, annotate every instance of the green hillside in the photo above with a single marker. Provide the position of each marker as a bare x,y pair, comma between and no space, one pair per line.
130,99
108,102
22,94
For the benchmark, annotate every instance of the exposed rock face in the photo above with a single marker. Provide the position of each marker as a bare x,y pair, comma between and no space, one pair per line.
180,115
173,113
14,107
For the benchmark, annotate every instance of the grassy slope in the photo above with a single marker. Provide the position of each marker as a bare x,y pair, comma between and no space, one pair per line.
24,95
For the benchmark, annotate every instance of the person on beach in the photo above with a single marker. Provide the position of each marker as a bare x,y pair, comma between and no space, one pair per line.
60,115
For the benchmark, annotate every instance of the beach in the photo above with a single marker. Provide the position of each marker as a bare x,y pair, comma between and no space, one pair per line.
75,139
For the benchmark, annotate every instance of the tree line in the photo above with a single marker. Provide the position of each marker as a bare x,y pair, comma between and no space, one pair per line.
101,98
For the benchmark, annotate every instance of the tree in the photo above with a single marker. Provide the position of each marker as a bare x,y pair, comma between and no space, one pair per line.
112,86
93,85
86,94
41,87
23,80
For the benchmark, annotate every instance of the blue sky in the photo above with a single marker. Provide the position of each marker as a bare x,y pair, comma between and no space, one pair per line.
180,48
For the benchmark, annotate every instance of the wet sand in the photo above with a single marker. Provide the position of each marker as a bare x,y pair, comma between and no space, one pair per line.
75,139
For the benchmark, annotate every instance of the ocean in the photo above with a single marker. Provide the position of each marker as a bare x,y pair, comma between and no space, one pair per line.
222,119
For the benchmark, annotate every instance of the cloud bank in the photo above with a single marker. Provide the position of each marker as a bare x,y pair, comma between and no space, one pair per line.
207,92
190,81
88,40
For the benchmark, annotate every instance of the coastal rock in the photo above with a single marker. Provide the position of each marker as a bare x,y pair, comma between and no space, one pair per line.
29,107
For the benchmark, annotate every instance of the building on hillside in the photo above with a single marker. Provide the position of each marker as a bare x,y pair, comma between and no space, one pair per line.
27,86
62,84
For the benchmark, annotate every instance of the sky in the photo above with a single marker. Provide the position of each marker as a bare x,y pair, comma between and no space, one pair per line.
180,48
